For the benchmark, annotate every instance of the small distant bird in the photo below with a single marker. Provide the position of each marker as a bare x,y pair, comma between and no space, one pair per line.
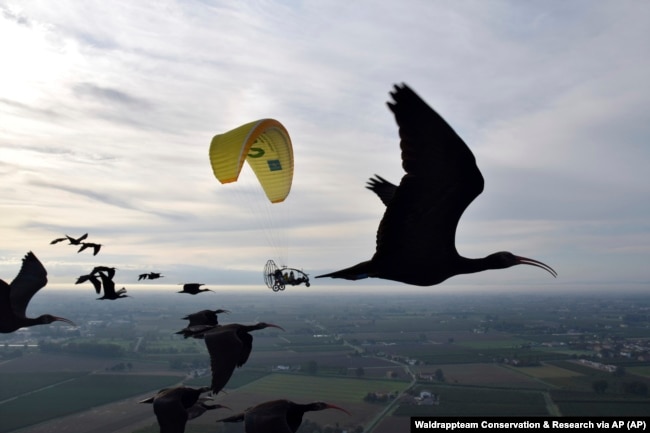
175,406
150,276
15,297
201,322
416,236
94,246
109,288
230,346
72,241
194,288
277,416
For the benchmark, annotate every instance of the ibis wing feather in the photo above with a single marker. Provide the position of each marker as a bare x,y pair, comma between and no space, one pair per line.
247,348
203,317
441,180
175,406
270,416
170,413
224,347
383,188
108,284
30,279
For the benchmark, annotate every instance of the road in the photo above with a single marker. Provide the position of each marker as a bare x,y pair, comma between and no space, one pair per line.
390,406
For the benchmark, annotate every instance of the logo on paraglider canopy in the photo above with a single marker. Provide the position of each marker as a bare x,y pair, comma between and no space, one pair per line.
256,152
274,165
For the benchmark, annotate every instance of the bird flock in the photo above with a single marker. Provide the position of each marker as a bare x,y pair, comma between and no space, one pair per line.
415,245
229,346
79,241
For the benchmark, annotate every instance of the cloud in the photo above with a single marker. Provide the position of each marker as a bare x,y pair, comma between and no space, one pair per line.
107,95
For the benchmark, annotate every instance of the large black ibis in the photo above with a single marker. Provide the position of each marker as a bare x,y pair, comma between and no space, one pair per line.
230,346
94,246
109,288
277,416
175,406
416,236
15,297
194,288
201,322
71,240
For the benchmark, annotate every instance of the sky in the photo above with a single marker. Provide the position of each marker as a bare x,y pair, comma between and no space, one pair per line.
107,110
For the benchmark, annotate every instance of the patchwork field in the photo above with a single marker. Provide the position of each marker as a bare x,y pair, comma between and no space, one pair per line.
547,371
327,388
477,401
483,375
337,352
49,400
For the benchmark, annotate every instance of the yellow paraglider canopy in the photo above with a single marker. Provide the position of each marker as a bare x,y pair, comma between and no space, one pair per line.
266,146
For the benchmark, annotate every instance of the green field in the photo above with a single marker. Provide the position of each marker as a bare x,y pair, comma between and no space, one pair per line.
472,352
238,379
573,403
74,395
15,384
475,401
547,371
641,371
302,387
506,343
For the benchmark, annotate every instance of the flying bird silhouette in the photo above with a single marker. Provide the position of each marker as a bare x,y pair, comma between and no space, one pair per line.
92,276
109,288
15,297
94,246
175,406
230,346
205,317
201,322
150,276
109,271
277,416
72,241
194,288
93,279
416,236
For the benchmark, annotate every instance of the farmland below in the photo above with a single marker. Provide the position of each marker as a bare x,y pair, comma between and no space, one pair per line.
383,358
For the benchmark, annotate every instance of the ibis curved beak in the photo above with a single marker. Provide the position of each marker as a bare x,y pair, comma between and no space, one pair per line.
526,261
271,325
63,319
332,406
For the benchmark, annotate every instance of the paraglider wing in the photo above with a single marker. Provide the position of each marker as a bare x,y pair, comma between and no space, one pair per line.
266,146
